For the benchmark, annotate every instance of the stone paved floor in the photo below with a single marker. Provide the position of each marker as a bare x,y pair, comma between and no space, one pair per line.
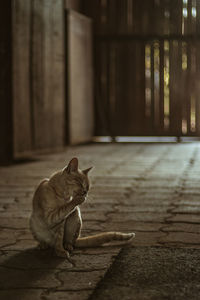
151,189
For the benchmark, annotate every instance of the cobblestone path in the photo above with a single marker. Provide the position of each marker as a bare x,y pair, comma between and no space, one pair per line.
150,189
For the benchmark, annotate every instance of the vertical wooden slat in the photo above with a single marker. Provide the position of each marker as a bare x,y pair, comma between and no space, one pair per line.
156,74
188,91
21,77
175,97
184,90
48,74
198,17
80,70
111,91
189,18
6,126
140,86
197,89
152,87
102,104
73,4
161,112
175,17
131,94
150,21
121,110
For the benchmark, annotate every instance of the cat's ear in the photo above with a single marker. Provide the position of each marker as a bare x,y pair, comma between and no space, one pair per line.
87,170
72,166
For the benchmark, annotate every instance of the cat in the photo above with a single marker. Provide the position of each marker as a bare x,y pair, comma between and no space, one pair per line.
56,217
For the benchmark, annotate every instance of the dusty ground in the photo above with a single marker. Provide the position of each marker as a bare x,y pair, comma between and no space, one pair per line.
151,189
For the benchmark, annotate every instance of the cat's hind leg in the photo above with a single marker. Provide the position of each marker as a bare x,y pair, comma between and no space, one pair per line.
72,229
58,243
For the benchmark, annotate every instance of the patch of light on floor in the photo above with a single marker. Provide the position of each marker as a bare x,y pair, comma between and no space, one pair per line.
144,139
102,139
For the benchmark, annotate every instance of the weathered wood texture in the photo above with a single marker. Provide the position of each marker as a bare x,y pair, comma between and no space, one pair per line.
48,73
80,78
21,76
146,66
38,75
73,4
6,133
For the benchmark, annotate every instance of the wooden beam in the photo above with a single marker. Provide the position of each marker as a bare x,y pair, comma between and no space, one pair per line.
6,127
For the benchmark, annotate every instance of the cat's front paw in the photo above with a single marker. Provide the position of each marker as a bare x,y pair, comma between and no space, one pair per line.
62,253
79,198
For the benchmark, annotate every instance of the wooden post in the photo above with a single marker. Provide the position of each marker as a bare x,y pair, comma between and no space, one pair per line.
6,127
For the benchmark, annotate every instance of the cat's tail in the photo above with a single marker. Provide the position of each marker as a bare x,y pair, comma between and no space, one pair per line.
102,238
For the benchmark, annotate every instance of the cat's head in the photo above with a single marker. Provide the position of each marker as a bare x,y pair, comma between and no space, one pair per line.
76,179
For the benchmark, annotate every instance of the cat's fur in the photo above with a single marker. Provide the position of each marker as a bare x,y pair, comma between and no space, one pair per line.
56,217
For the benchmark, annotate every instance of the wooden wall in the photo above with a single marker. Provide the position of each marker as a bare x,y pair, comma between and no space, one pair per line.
22,124
34,77
38,75
147,66
80,78
6,133
74,4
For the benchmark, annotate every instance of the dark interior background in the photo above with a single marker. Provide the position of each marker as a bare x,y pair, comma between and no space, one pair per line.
71,70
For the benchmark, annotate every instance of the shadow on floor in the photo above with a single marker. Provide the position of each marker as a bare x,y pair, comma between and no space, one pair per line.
25,271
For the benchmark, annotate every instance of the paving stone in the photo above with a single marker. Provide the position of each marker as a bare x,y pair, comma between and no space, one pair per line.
79,280
185,218
187,209
20,278
65,295
19,294
19,244
142,208
132,226
33,259
152,190
17,222
136,216
147,238
182,227
181,237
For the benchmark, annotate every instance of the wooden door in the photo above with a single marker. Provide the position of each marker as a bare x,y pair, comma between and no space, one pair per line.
79,78
38,76
147,67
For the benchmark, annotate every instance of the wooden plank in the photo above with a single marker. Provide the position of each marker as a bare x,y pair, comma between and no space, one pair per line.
152,125
197,89
21,77
6,130
161,113
139,89
188,91
175,17
175,83
73,4
101,89
80,78
149,22
198,17
111,50
48,74
184,90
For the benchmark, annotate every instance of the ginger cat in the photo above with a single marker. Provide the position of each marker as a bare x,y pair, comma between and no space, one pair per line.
56,218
